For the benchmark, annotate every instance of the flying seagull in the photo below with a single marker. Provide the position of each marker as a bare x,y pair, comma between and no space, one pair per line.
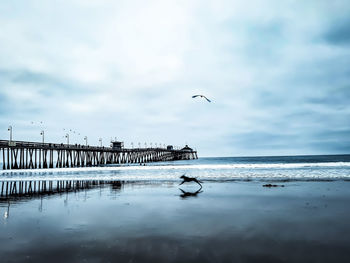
202,96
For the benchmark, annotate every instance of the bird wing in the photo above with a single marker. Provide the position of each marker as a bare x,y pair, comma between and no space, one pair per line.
207,99
194,96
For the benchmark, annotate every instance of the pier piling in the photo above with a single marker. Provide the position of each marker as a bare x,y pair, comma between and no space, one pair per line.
32,155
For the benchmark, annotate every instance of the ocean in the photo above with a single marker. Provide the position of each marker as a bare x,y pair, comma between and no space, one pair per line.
134,213
273,168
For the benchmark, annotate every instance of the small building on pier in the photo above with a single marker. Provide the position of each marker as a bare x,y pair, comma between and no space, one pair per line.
117,145
187,149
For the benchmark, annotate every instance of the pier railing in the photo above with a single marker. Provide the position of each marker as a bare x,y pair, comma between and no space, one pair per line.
36,155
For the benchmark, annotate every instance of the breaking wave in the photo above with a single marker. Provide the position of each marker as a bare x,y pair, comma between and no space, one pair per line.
322,171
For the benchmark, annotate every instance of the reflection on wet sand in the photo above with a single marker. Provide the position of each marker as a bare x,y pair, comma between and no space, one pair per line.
185,194
22,190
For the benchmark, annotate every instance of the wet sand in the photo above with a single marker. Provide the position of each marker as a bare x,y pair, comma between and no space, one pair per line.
157,222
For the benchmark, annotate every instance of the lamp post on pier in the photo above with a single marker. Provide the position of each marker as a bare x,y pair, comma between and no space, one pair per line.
100,140
42,133
67,136
10,130
86,140
132,145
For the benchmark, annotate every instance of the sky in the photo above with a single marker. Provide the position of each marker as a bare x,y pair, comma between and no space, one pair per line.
277,72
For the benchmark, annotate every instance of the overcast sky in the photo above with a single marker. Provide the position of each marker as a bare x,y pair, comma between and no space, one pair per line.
277,72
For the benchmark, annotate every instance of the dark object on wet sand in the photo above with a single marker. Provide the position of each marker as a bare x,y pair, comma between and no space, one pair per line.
190,194
273,185
189,179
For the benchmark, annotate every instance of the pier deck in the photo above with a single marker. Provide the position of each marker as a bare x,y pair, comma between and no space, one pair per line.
35,155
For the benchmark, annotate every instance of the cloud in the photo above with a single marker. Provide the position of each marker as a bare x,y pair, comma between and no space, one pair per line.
339,32
4,106
276,72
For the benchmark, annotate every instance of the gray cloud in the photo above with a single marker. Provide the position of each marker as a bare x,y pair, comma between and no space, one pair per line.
337,98
50,85
27,77
332,140
4,105
278,74
264,42
339,32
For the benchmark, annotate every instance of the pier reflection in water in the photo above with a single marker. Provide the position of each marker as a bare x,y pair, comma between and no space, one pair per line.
21,190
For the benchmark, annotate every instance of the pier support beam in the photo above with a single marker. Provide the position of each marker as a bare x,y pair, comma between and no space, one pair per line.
29,155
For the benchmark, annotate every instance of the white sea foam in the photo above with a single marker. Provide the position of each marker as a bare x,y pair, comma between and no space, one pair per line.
185,167
216,172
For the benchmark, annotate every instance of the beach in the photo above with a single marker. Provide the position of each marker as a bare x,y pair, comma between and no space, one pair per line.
145,221
175,131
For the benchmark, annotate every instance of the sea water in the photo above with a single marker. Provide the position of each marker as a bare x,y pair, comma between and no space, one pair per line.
276,168
141,214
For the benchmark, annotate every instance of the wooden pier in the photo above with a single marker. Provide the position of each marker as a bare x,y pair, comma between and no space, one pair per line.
34,155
